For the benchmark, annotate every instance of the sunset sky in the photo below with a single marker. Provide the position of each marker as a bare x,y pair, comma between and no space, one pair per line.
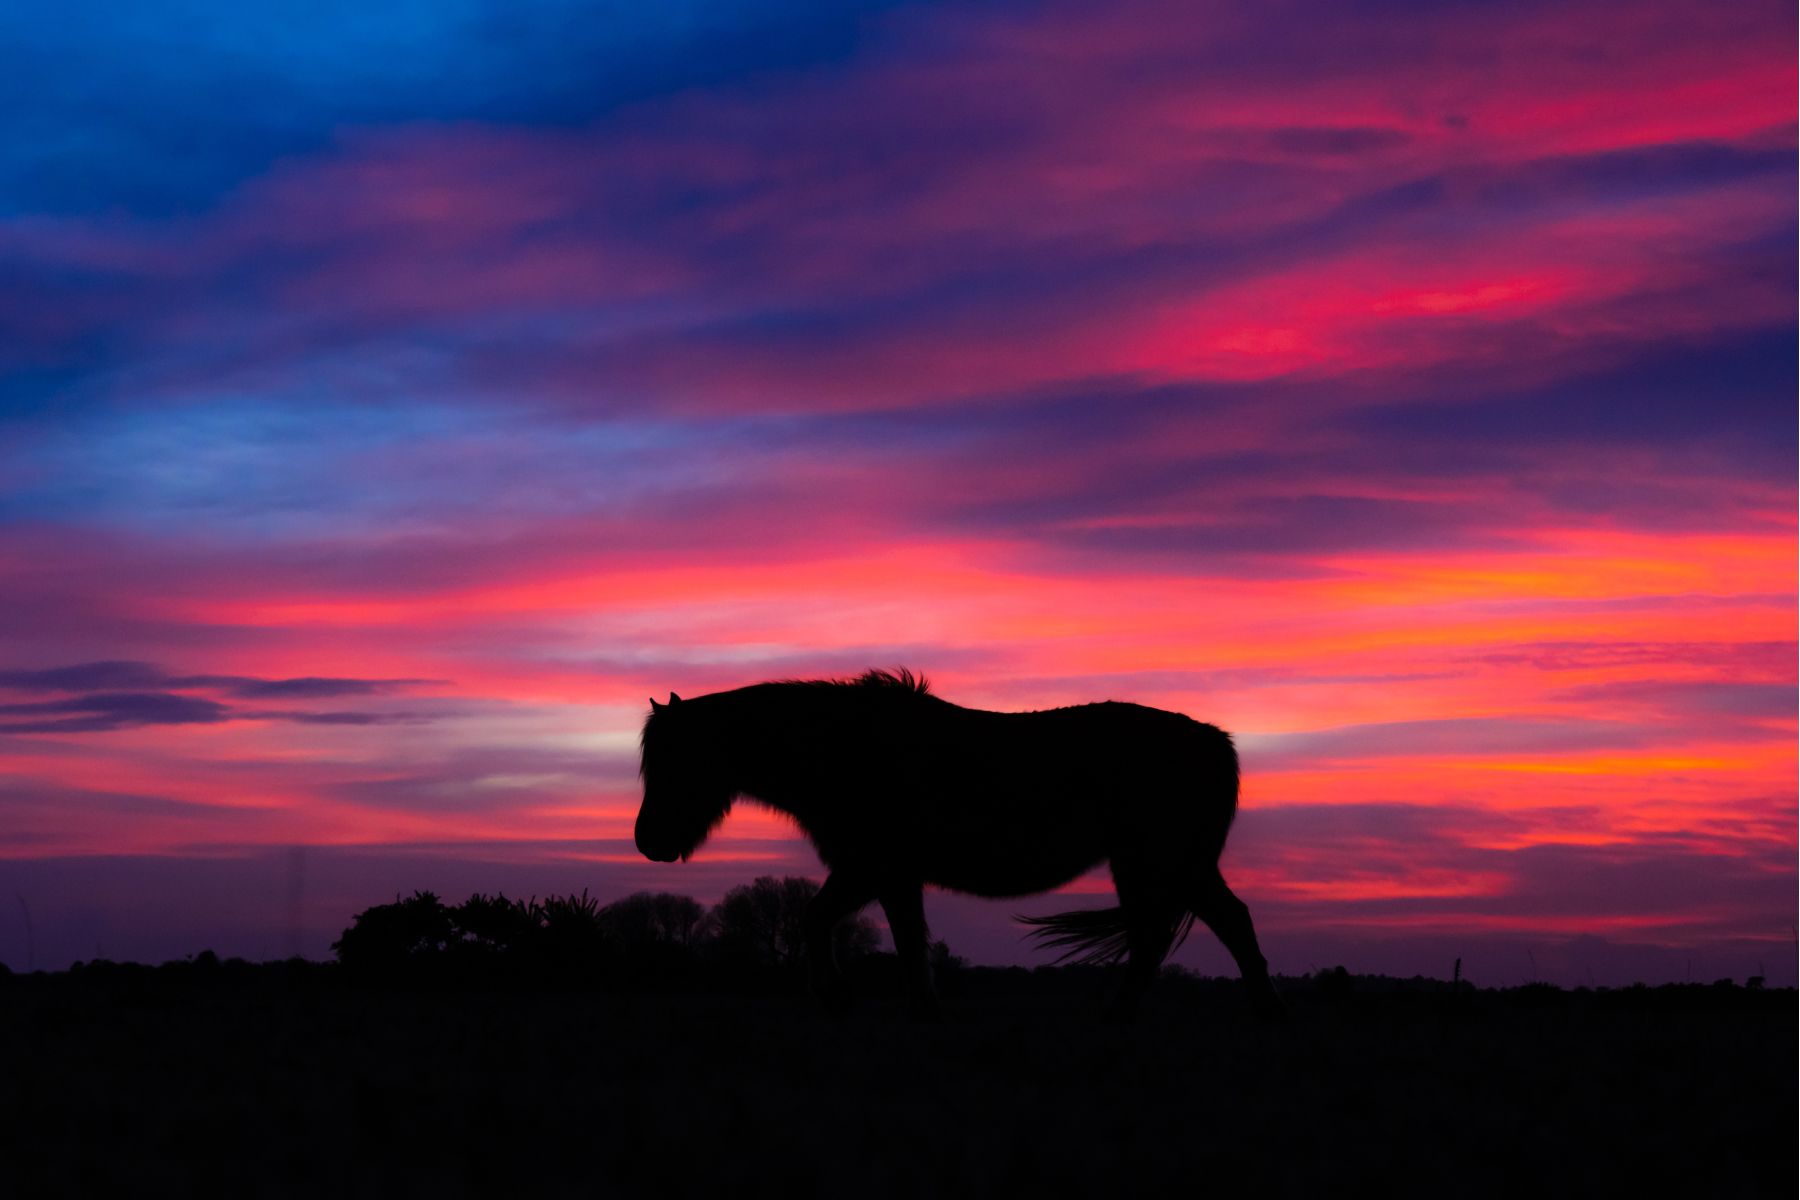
394,397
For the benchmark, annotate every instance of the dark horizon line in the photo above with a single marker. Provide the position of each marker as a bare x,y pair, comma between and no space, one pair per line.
208,960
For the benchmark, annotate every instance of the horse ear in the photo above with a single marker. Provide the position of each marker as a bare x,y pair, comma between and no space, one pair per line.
654,706
674,699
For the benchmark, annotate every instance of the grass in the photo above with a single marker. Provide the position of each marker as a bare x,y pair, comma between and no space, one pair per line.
287,1080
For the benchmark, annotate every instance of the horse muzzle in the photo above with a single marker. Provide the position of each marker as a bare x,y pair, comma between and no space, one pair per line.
658,853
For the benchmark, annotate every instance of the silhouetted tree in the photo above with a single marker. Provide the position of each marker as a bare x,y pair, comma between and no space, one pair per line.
661,919
763,922
856,937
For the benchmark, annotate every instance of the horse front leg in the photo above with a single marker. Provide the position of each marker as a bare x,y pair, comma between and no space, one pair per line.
1149,931
841,895
1150,914
905,908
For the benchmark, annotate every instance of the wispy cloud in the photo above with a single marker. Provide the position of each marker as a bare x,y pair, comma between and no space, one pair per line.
93,711
125,674
98,711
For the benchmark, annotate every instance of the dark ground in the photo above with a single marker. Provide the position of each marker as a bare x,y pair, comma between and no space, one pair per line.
286,1080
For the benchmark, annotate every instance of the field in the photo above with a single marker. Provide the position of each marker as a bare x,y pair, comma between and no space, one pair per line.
286,1080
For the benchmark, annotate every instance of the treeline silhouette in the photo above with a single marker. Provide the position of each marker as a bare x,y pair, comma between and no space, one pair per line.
753,941
754,934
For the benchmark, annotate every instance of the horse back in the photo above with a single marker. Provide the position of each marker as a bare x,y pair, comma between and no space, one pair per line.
1095,764
1011,803
1129,743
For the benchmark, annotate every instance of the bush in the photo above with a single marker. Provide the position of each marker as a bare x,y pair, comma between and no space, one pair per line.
389,937
645,936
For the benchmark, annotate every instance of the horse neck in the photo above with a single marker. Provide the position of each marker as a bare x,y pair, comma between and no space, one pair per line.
739,724
751,722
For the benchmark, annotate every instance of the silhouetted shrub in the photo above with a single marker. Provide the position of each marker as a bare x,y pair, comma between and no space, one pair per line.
389,937
655,937
1535,995
1335,983
494,924
571,942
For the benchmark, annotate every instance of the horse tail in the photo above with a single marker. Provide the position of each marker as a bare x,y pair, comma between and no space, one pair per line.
1096,936
1100,936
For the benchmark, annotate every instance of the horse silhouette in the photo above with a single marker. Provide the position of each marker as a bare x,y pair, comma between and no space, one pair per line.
897,788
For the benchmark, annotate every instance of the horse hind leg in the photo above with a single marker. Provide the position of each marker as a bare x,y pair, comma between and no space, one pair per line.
1229,919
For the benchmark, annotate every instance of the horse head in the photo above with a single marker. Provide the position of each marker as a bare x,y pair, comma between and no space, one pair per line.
685,792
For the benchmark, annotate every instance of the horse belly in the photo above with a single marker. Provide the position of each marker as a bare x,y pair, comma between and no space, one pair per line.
1013,857
1011,879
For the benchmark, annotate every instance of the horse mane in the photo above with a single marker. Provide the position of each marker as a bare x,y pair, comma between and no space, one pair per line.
899,679
900,682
